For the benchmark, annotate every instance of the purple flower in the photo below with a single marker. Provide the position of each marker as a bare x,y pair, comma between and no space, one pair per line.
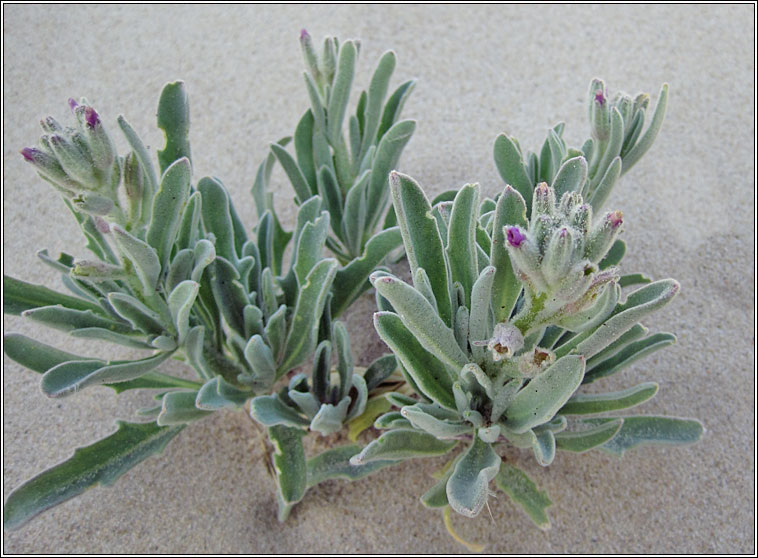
515,236
72,103
304,34
91,116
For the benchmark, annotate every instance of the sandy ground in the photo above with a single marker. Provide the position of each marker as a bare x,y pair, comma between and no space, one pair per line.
481,70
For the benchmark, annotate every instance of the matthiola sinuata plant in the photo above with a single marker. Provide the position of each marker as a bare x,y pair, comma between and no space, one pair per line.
173,273
515,303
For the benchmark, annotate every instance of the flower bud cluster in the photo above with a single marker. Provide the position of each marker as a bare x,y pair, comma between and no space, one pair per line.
80,162
558,254
601,106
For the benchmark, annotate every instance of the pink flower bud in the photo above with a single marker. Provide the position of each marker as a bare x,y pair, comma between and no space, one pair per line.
29,153
599,97
72,103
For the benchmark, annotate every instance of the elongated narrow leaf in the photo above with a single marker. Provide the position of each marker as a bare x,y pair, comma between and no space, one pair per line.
220,394
428,373
524,493
585,440
394,106
571,177
305,320
290,465
467,487
353,278
229,293
303,140
588,404
379,370
650,430
510,210
295,175
168,206
72,376
636,153
385,160
376,92
328,189
146,162
403,444
340,93
544,395
606,184
511,168
421,320
614,255
461,243
479,323
173,119
100,463
355,214
178,407
143,258
422,240
634,279
139,315
269,410
216,216
437,427
66,319
375,407
335,464
19,296
638,304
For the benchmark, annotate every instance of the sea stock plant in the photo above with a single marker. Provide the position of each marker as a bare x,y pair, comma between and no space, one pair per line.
514,303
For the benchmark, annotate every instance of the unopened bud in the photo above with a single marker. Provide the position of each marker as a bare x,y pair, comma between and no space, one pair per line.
558,255
72,103
48,166
311,59
525,257
543,201
581,217
602,236
600,114
50,125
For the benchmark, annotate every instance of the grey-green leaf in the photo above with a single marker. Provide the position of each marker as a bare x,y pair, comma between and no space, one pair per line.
511,168
403,444
544,395
524,493
422,240
335,464
73,376
428,373
173,119
585,440
100,463
168,206
467,487
594,403
19,296
650,430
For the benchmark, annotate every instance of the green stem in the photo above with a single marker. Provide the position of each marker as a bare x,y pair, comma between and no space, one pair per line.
171,381
525,321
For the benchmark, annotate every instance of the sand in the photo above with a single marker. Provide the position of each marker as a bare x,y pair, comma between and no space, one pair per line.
689,209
